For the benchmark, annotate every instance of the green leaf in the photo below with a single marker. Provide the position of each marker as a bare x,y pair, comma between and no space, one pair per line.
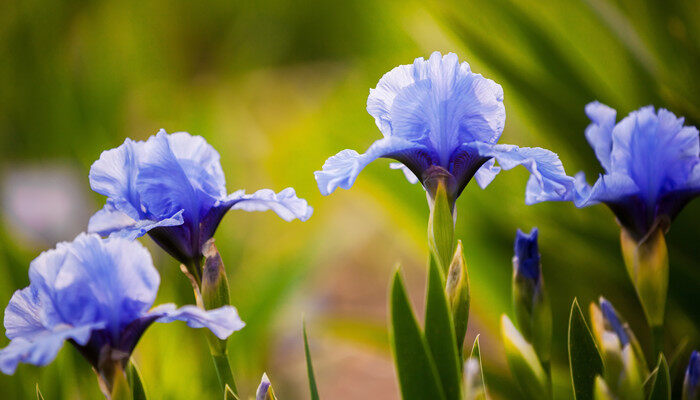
585,362
133,376
440,334
457,291
661,388
441,227
229,394
475,383
309,367
418,378
39,396
523,362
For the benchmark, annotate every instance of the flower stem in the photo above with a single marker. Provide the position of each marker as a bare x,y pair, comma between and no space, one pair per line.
223,371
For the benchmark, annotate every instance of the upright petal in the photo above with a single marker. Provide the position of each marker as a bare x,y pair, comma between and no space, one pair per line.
107,280
222,321
199,161
439,103
599,132
114,175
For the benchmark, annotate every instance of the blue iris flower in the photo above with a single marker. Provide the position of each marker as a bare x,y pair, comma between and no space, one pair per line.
613,321
96,293
651,162
691,384
527,255
439,119
173,188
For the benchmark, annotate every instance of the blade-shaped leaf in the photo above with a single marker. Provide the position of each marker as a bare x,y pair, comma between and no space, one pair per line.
309,367
133,376
418,378
440,334
474,381
228,393
661,388
585,362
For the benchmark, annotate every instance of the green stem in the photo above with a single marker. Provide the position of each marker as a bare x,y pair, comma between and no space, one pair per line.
657,337
223,371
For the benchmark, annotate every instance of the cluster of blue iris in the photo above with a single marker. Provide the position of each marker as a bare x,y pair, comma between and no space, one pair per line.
439,120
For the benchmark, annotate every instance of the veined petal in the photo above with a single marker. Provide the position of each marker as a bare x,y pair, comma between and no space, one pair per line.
163,184
342,169
286,204
599,132
22,315
487,173
43,347
548,180
439,103
114,175
111,222
222,321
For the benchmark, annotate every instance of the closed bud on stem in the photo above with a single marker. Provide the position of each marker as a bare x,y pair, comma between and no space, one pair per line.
530,301
215,291
265,391
625,366
646,261
601,390
441,222
691,383
524,364
457,290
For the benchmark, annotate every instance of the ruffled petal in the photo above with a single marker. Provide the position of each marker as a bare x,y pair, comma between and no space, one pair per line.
548,180
111,281
410,176
286,204
438,102
164,186
43,347
342,169
200,162
111,222
599,132
222,321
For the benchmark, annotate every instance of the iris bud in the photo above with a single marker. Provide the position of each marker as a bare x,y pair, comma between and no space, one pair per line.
625,366
691,383
530,301
265,391
524,363
215,291
457,291
647,265
441,225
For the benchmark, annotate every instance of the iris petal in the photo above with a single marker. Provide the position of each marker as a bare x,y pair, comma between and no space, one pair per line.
222,321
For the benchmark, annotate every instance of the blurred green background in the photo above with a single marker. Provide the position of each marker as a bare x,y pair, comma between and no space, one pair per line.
277,87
